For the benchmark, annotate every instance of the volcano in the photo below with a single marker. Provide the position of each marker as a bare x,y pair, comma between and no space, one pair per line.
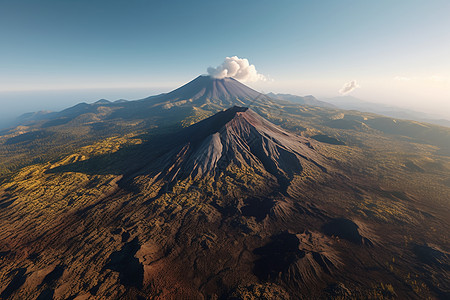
236,137
208,91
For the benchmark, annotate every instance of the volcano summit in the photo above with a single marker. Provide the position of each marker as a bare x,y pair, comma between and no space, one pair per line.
209,90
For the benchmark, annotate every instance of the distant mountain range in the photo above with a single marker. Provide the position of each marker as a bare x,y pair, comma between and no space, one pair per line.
228,91
303,100
352,103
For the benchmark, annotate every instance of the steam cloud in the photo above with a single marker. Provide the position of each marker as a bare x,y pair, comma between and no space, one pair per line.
238,68
349,87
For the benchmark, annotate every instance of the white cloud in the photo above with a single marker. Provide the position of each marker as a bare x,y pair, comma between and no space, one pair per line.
238,68
349,87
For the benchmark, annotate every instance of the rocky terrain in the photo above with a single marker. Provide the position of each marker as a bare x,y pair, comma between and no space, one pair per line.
214,191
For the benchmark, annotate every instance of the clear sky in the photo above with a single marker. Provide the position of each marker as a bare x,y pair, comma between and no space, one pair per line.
398,52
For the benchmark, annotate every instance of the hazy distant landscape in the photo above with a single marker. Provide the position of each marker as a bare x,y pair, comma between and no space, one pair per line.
352,103
253,150
35,101
18,103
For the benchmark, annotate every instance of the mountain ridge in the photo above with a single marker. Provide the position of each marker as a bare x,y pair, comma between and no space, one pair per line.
303,100
241,137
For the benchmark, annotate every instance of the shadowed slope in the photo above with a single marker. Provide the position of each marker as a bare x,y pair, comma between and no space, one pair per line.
238,137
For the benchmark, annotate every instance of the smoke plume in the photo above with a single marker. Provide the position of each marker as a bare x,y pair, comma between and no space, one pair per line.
238,68
349,87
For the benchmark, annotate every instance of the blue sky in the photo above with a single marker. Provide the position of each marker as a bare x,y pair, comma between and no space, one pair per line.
397,51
